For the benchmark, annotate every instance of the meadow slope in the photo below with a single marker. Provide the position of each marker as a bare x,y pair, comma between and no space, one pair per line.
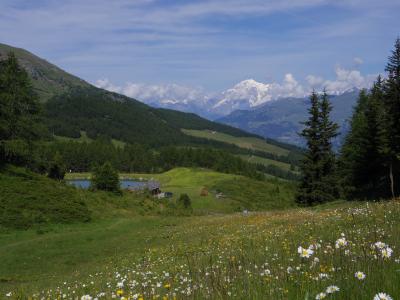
242,256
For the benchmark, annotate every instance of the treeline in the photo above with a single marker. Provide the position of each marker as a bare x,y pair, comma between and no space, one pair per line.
136,158
368,165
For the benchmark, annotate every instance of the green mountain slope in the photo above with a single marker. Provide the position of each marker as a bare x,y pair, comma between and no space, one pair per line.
48,79
72,106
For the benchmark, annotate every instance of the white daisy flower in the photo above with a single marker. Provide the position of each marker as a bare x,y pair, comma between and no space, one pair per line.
360,275
304,252
321,296
332,289
341,243
380,245
387,252
382,296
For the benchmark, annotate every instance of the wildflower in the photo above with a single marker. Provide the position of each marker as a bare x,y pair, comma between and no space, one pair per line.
382,296
86,297
120,293
332,289
167,285
305,252
380,245
8,294
387,252
120,284
340,243
321,296
360,275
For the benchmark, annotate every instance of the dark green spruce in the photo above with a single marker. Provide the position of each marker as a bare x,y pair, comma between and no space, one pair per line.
318,183
19,110
370,157
392,106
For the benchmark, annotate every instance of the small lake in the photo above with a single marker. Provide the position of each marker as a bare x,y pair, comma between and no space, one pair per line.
124,183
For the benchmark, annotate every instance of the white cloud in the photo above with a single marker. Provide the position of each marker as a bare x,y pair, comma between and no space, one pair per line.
157,94
348,80
358,61
244,95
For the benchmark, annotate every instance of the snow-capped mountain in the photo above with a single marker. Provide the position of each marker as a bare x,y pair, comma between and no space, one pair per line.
245,95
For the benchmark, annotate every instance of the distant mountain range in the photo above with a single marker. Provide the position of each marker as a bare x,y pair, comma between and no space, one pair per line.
281,119
246,94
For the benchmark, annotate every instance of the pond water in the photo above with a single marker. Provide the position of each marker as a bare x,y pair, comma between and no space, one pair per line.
124,183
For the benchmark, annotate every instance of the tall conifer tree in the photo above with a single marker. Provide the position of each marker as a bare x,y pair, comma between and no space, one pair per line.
362,162
392,108
328,131
18,112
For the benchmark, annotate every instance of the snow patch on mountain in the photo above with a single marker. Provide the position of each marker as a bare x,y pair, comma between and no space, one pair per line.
250,93
246,94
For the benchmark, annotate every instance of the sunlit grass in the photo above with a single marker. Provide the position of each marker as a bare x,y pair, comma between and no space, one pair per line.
247,256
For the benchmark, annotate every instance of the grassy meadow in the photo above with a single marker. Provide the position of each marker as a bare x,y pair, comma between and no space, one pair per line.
238,192
244,256
252,143
136,247
265,161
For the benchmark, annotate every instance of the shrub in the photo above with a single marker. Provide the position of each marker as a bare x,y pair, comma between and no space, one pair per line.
184,201
105,178
57,168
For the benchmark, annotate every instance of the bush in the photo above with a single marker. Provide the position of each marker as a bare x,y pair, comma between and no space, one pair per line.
184,201
57,168
105,178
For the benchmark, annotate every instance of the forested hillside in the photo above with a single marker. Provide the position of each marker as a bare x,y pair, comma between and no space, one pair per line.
70,107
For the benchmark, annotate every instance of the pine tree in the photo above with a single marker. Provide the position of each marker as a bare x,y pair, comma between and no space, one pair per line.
318,183
57,167
310,186
362,162
328,131
392,108
19,110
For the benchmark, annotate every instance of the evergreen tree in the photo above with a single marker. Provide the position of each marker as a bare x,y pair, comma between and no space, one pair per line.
392,110
105,178
57,167
310,189
19,110
328,131
361,162
318,183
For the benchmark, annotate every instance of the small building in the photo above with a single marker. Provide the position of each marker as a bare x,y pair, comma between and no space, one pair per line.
154,187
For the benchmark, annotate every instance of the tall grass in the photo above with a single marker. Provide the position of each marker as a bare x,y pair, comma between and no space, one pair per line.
255,256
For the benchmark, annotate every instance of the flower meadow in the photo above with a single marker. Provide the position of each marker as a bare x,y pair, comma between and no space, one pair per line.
351,252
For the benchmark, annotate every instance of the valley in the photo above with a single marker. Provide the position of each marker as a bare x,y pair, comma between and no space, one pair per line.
140,188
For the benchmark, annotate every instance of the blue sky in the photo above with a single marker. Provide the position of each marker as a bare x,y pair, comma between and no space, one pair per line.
210,45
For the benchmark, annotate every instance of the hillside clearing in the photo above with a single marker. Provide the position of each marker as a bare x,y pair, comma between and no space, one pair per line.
252,143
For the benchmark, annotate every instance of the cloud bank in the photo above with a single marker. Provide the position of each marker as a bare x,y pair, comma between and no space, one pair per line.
244,95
